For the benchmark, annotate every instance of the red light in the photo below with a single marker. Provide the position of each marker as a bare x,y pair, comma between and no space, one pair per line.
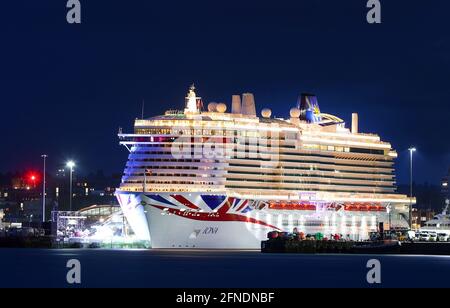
32,178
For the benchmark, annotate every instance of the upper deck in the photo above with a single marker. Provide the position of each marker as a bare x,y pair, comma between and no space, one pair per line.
215,152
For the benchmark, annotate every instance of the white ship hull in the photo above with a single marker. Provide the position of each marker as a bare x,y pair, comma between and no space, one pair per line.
221,222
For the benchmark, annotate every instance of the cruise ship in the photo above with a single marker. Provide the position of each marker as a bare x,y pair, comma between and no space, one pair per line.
222,176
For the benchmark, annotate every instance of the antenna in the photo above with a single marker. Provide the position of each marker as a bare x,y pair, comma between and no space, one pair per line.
143,108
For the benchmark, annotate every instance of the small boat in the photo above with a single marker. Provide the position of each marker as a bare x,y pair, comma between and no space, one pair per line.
440,224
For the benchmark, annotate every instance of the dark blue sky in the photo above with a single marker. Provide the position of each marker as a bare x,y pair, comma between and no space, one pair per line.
65,89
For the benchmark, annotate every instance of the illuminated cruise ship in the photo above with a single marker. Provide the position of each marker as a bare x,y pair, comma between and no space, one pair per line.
210,178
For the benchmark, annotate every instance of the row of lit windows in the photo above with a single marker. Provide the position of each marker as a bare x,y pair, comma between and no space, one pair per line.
204,132
269,144
389,171
170,182
250,156
237,152
308,175
187,132
258,168
176,175
314,168
194,143
319,223
303,189
336,163
169,188
262,174
178,168
173,160
257,135
326,148
332,148
310,182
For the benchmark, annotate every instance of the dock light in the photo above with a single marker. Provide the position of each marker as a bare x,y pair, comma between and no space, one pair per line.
44,157
389,210
71,164
32,178
411,151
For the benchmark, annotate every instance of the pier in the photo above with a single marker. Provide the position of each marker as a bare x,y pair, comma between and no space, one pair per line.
280,245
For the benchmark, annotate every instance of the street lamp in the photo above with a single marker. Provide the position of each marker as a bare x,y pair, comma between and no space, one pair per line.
44,157
70,164
411,151
388,210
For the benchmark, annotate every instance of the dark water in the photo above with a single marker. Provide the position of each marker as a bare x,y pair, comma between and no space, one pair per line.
235,269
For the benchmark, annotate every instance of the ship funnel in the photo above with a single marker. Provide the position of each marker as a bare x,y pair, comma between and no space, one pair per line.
248,104
354,123
236,107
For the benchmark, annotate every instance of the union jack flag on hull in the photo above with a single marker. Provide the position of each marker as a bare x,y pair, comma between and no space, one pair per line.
207,208
205,203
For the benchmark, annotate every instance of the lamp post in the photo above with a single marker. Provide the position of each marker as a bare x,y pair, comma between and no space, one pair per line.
71,164
388,209
44,157
411,151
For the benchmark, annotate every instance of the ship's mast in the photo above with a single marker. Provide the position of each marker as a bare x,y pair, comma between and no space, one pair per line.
191,101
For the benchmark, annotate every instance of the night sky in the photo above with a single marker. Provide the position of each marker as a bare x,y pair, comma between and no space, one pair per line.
66,89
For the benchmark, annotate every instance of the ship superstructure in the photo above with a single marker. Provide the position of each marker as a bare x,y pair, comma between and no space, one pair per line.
218,179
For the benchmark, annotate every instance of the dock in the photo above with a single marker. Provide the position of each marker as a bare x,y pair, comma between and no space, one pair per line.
280,245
